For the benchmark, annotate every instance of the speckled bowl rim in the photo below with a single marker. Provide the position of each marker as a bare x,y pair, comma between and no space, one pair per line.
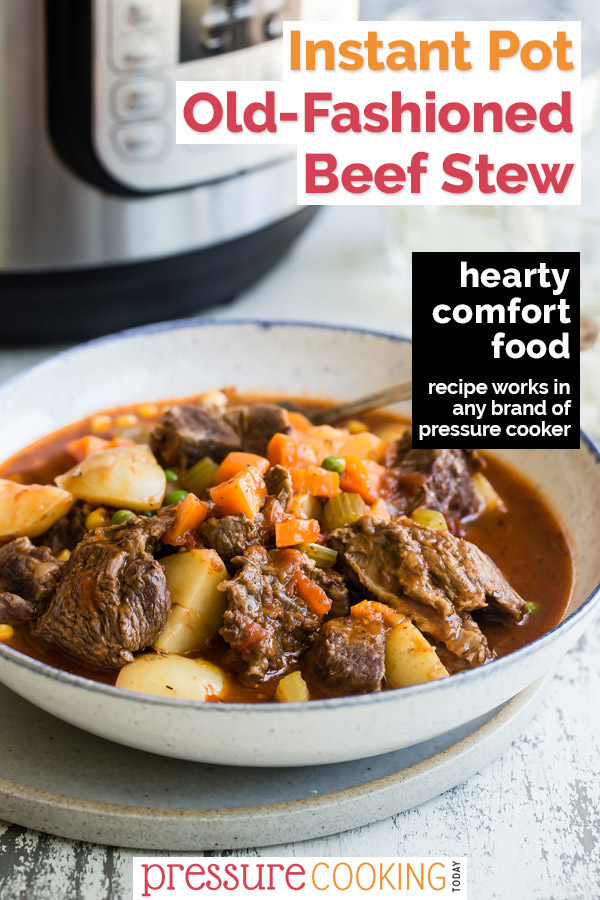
518,705
215,709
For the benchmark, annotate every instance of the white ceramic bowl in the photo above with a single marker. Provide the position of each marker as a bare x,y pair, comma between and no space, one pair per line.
180,359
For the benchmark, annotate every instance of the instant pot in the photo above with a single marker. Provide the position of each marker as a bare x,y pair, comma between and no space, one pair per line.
105,221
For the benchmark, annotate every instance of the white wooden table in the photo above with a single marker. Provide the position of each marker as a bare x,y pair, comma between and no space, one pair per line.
530,823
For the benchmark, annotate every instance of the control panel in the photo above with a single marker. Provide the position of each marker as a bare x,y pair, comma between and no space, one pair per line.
227,25
141,48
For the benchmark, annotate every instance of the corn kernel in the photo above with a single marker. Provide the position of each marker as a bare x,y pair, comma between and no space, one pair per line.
99,518
149,410
356,427
391,431
214,398
101,423
125,420
6,632
64,555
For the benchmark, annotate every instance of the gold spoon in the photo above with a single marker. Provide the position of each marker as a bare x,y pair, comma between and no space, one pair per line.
588,332
395,394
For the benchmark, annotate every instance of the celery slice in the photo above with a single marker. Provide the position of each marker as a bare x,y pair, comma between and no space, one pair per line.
343,509
200,477
322,556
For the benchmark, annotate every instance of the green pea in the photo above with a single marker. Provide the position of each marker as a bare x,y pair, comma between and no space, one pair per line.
148,513
334,464
171,475
175,497
121,516
531,606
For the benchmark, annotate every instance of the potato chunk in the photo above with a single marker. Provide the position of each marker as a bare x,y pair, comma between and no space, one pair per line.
391,431
303,506
174,676
292,689
198,606
28,510
125,477
410,658
490,497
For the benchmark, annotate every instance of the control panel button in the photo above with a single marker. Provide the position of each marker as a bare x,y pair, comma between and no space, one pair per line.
140,99
138,51
245,9
273,27
217,40
139,13
141,142
215,16
273,6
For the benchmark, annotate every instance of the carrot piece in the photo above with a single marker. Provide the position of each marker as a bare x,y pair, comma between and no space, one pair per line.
296,531
190,514
285,450
120,442
243,494
299,422
315,481
282,450
372,611
235,462
83,447
364,477
365,446
315,597
305,455
380,510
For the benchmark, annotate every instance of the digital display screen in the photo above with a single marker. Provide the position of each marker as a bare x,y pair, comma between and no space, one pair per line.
212,27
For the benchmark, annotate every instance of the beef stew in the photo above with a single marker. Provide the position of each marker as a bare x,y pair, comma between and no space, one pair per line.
224,549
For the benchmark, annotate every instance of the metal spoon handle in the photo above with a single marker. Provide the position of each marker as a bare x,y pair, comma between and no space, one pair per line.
588,332
364,404
589,335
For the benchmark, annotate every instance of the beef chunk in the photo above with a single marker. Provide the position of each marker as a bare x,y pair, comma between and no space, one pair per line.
188,433
266,622
467,575
232,535
256,424
15,610
67,532
28,576
348,657
438,479
336,589
431,576
279,485
112,598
